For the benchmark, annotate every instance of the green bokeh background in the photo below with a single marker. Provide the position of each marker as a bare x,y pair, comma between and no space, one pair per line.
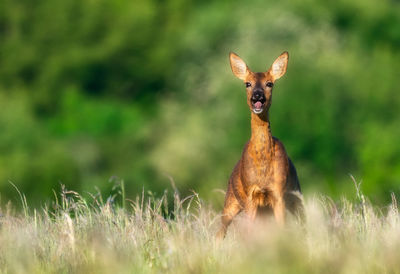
143,90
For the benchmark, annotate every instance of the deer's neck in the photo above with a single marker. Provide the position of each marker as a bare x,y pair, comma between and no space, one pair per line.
261,137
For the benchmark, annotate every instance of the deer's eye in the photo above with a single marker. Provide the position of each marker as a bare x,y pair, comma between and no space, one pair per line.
248,84
270,84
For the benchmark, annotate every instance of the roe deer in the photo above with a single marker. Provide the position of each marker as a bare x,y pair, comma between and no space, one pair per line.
264,176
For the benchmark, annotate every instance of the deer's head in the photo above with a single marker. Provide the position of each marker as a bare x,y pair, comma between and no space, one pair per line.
259,85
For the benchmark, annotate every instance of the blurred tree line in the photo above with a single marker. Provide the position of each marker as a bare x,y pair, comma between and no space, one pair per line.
143,90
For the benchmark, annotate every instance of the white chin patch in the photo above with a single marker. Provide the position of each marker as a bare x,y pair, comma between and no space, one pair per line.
257,111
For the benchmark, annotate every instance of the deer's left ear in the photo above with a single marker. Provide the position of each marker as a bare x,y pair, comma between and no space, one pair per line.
278,68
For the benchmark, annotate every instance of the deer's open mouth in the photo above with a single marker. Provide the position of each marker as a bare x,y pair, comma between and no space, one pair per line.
258,106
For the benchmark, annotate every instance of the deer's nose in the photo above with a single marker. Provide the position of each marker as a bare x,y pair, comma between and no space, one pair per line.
257,95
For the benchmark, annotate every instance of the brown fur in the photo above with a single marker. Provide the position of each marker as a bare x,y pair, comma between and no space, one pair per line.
264,177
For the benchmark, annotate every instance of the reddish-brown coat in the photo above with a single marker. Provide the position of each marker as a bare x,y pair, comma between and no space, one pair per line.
264,177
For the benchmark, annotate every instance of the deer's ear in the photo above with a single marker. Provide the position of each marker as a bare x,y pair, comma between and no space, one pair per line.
239,67
278,68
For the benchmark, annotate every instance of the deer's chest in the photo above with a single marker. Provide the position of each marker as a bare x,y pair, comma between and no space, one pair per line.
257,169
261,167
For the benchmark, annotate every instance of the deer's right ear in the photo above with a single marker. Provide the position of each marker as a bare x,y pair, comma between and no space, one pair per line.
239,67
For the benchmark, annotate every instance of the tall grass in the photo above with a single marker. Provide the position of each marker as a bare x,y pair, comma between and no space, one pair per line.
151,235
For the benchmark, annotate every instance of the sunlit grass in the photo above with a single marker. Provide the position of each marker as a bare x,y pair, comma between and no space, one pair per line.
177,235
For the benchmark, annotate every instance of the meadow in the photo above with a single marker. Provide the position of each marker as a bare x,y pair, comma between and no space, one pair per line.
174,234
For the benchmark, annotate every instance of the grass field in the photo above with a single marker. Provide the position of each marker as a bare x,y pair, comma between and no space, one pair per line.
148,235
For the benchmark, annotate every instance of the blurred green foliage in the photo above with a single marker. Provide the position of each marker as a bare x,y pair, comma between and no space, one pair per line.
143,90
